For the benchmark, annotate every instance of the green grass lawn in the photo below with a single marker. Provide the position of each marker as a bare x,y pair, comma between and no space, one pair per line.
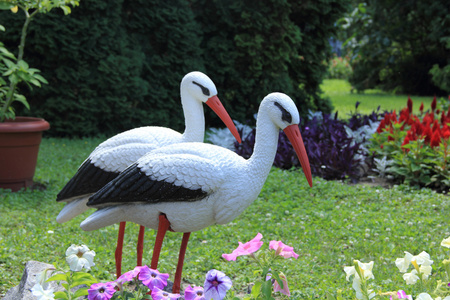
344,100
329,225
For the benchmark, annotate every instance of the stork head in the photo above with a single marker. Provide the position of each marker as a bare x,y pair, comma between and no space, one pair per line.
201,88
284,114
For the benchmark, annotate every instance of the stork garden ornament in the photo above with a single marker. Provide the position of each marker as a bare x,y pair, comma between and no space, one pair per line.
115,154
186,187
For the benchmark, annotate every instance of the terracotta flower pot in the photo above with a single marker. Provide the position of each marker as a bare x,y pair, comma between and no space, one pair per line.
19,146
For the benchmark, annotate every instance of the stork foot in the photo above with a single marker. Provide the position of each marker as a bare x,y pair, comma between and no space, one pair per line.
140,246
163,226
118,253
177,281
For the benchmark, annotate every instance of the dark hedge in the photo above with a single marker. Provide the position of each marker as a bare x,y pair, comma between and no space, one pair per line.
115,65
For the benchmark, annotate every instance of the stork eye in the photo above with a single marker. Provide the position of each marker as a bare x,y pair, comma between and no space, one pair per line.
205,90
285,115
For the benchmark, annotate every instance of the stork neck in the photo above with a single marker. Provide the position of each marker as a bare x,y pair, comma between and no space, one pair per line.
194,118
266,143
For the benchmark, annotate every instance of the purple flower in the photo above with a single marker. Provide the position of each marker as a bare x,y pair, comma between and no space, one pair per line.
194,293
101,291
152,278
216,285
128,276
158,294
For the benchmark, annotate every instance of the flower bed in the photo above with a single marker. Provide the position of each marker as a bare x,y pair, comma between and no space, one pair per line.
415,148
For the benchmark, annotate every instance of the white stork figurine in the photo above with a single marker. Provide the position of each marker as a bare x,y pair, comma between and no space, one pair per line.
115,154
187,187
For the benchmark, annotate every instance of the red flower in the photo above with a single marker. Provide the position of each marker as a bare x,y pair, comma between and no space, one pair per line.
409,103
435,139
445,132
381,126
405,142
421,108
391,131
427,133
436,126
433,104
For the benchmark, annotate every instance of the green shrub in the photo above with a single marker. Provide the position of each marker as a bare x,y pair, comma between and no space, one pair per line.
117,65
339,67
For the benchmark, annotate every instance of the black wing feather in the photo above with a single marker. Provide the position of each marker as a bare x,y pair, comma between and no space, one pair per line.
134,186
88,180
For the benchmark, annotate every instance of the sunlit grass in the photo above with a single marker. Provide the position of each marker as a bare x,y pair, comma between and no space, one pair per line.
343,99
328,225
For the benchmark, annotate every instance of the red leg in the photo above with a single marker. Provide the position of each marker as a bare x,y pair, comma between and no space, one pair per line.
163,226
140,245
177,281
118,254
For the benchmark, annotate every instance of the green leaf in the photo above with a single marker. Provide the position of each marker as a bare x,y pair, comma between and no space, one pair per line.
9,64
256,289
22,99
23,65
2,28
266,290
81,292
278,279
66,9
40,78
55,277
82,275
34,81
61,295
6,5
415,167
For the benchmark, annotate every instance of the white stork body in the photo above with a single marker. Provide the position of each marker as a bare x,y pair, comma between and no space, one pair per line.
196,185
117,153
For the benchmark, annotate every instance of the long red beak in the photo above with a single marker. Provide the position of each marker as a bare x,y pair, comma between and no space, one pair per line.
215,104
294,136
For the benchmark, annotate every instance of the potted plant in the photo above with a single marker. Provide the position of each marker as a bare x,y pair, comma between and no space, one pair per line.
20,137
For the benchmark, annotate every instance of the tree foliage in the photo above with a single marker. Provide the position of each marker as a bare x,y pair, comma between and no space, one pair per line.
396,43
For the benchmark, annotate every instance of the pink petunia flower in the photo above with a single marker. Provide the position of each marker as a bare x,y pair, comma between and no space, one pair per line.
402,295
128,276
216,285
152,278
282,249
245,249
101,291
285,289
159,294
194,293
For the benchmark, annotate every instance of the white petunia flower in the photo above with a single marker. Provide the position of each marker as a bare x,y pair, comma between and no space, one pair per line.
79,257
411,278
403,263
41,294
42,277
366,269
350,271
424,296
423,259
425,270
446,242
